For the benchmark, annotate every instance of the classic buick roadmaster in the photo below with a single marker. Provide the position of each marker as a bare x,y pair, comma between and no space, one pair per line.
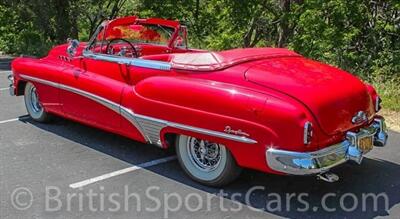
267,109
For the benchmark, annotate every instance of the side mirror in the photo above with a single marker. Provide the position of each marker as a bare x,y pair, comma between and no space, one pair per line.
72,47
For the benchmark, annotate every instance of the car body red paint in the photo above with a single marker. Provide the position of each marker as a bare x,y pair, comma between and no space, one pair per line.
266,93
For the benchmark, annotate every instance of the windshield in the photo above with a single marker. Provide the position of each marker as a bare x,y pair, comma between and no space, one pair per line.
141,33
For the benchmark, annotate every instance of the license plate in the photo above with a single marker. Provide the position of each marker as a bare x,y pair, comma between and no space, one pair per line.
365,144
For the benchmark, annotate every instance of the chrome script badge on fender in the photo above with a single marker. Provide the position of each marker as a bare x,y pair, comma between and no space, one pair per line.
229,130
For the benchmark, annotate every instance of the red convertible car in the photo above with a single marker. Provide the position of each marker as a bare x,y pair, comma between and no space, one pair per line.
266,109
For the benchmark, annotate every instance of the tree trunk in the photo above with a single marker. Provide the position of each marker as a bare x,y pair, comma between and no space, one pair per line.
196,11
284,23
64,27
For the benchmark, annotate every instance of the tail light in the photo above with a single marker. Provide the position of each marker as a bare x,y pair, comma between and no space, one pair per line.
308,133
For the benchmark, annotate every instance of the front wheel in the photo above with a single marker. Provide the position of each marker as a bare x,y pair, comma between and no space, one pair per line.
206,162
33,105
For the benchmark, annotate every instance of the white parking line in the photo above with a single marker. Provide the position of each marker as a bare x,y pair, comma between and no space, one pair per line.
4,88
14,120
120,172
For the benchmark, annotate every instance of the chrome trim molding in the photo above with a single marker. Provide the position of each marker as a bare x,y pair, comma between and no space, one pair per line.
297,163
306,163
50,83
131,117
381,135
164,66
157,123
239,132
307,133
359,118
107,103
152,128
241,139
149,127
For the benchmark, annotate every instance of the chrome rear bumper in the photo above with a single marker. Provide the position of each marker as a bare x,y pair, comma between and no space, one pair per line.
297,163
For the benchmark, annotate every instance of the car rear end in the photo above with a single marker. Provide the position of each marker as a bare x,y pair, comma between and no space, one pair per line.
342,120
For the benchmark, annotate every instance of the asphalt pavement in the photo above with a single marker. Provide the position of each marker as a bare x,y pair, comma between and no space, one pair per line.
67,170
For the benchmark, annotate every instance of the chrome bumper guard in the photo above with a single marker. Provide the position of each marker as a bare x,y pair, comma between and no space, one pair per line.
11,87
297,163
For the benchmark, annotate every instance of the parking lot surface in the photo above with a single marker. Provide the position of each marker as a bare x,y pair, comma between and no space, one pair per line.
67,170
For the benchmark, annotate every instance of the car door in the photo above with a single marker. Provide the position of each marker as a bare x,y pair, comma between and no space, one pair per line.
91,93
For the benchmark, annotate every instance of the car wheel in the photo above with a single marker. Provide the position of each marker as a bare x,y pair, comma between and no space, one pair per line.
206,162
33,105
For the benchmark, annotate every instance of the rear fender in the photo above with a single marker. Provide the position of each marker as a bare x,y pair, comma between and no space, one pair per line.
208,106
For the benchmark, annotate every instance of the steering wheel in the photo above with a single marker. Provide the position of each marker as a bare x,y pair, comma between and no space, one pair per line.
135,54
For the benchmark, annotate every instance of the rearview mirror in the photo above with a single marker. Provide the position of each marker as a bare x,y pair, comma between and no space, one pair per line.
72,47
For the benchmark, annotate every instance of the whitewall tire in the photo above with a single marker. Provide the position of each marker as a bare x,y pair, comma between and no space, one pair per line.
206,162
33,105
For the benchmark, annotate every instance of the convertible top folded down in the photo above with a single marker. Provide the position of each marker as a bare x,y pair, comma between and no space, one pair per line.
211,61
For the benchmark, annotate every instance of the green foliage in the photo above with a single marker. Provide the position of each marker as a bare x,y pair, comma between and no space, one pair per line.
390,93
19,37
360,36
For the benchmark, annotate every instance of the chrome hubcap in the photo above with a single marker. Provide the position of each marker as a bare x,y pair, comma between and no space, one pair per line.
205,155
35,104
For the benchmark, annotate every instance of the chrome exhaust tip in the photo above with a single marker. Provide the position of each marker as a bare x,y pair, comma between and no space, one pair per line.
328,177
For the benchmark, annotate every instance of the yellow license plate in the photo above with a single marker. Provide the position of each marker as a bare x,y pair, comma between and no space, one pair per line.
365,144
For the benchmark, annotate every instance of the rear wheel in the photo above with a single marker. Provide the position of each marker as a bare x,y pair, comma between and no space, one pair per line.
33,105
206,162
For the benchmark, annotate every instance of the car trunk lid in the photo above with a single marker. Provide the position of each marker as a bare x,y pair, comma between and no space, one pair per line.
332,95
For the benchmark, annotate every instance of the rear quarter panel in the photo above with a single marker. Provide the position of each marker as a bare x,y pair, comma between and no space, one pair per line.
208,105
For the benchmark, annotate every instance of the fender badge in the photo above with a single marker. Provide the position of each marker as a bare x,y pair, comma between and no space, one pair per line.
360,117
229,130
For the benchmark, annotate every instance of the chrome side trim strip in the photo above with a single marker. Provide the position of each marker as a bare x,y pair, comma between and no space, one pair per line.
46,82
107,103
149,127
130,116
164,66
237,138
152,128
